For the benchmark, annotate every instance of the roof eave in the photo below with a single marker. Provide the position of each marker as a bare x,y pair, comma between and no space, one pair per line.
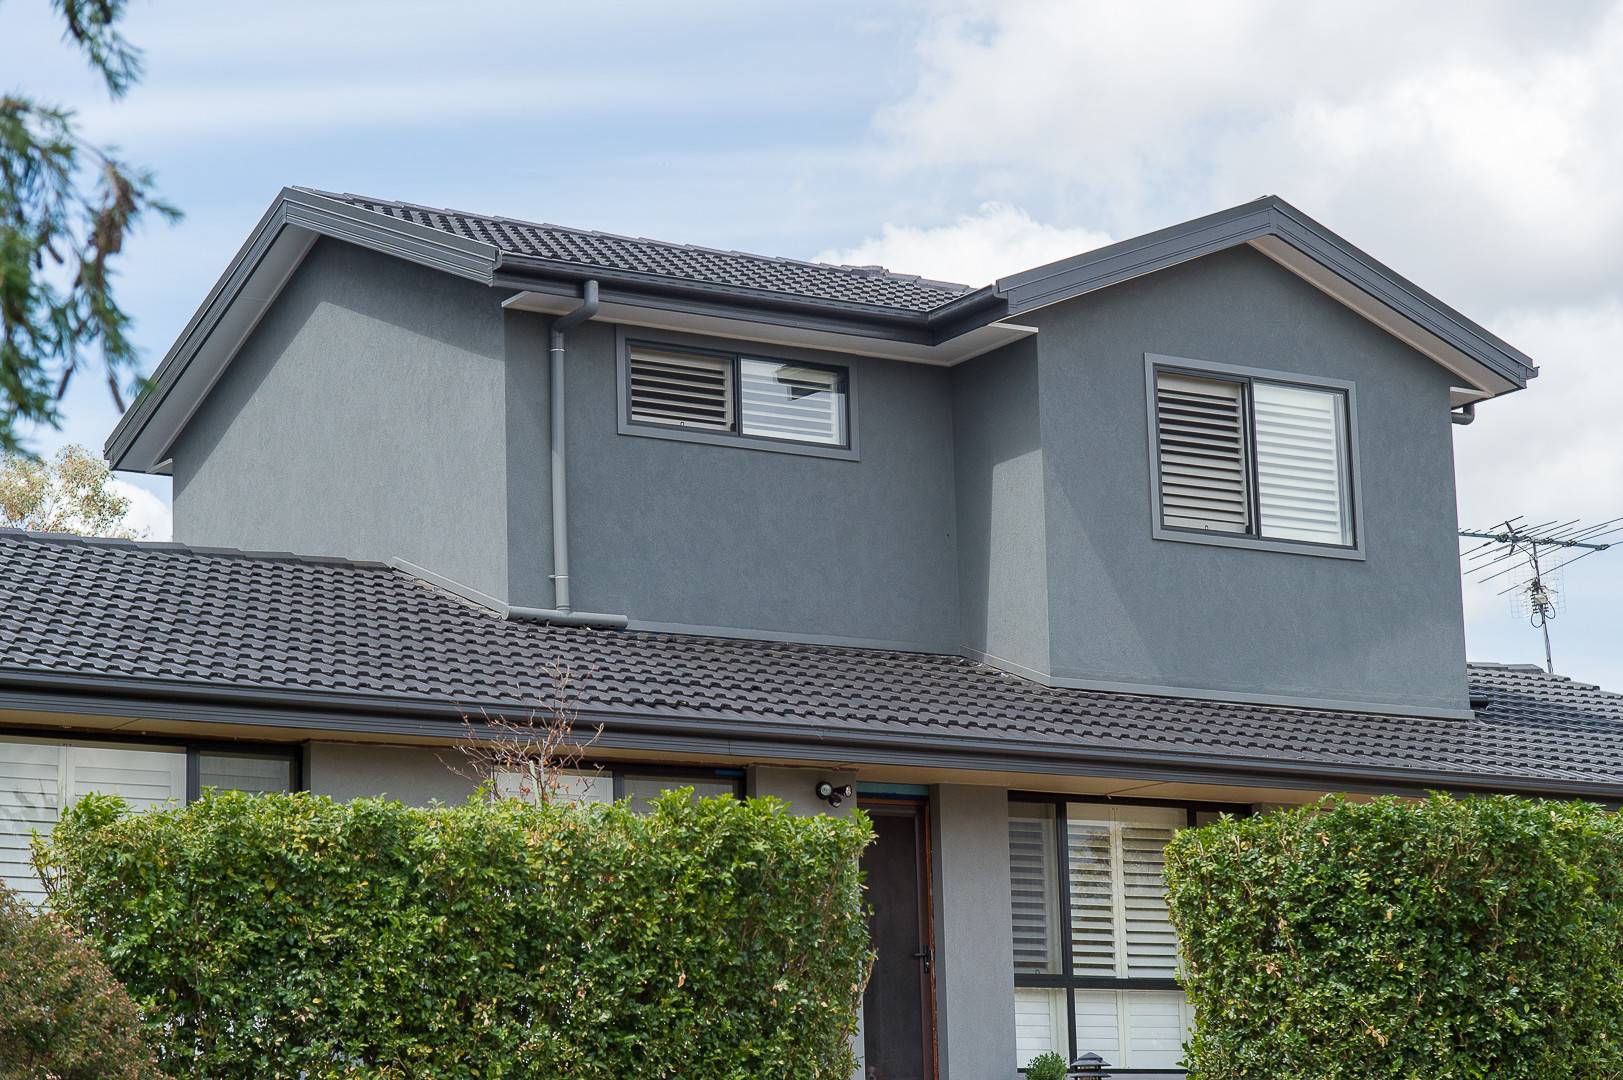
650,731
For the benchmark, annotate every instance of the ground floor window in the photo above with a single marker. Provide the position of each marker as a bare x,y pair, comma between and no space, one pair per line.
39,777
1095,956
639,785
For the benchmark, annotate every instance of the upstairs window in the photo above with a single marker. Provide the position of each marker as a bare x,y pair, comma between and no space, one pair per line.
1246,456
747,397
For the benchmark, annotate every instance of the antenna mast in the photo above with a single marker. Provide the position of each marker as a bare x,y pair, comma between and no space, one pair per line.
1531,557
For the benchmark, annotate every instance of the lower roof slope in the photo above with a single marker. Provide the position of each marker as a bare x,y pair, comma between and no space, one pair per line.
161,622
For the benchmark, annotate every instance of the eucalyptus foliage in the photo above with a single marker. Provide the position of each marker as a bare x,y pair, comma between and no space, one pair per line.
294,936
66,208
1439,940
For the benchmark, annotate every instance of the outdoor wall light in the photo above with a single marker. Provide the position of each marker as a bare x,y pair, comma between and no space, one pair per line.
1089,1065
832,795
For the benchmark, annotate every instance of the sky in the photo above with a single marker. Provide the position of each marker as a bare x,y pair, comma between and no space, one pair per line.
1475,147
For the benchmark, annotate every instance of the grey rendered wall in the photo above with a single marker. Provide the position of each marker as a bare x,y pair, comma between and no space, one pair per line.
415,775
1002,543
1134,611
726,537
974,933
364,417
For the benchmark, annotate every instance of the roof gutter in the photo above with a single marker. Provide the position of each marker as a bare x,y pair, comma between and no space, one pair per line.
562,611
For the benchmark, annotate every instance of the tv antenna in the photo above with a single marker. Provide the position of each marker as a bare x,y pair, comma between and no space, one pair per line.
1531,559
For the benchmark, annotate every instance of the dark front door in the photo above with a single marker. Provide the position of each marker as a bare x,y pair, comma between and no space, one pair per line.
898,1010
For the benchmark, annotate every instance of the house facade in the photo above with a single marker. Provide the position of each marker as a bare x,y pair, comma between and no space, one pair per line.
1041,572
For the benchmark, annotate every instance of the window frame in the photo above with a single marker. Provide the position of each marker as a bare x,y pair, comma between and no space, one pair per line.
192,748
1066,979
1154,363
626,340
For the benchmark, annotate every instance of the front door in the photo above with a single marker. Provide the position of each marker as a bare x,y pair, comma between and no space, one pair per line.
898,1009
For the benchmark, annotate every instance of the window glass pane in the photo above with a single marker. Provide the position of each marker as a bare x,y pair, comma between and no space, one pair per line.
1302,463
1034,888
1039,1024
643,790
691,390
1098,1025
257,773
1119,923
1157,1023
1200,437
571,787
789,401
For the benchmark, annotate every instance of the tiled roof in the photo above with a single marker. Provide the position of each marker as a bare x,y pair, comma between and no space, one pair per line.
285,625
869,285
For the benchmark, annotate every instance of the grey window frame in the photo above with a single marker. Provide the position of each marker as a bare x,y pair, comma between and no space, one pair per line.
627,338
192,748
1156,362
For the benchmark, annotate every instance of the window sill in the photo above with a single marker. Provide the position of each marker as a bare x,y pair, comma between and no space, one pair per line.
739,442
1256,543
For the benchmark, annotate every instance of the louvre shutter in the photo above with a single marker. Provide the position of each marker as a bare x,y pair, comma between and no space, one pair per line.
1301,483
1156,1022
1151,946
1039,1023
30,798
785,401
1093,893
1033,868
1200,439
681,389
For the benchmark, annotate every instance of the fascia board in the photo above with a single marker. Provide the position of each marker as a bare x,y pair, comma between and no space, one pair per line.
1491,365
842,338
401,715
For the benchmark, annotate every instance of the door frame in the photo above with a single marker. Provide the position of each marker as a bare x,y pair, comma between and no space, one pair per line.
918,809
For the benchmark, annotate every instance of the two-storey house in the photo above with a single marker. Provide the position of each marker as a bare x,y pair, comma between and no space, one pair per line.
1041,571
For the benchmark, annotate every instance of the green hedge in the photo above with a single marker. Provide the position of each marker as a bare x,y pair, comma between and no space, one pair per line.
1442,940
292,936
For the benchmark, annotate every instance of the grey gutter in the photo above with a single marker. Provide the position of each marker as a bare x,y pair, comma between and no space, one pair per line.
404,715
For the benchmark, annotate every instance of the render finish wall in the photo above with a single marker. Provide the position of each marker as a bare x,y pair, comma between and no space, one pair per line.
364,417
1130,611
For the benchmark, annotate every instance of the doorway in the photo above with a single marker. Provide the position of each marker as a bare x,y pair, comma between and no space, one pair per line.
898,1008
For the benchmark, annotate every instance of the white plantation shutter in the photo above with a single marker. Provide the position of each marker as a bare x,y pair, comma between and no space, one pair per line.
678,389
1133,1029
1092,859
1039,1023
38,779
788,401
1034,901
1301,455
30,800
1150,948
1200,433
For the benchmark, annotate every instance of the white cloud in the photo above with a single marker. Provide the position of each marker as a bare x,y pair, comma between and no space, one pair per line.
996,240
149,514
1484,137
